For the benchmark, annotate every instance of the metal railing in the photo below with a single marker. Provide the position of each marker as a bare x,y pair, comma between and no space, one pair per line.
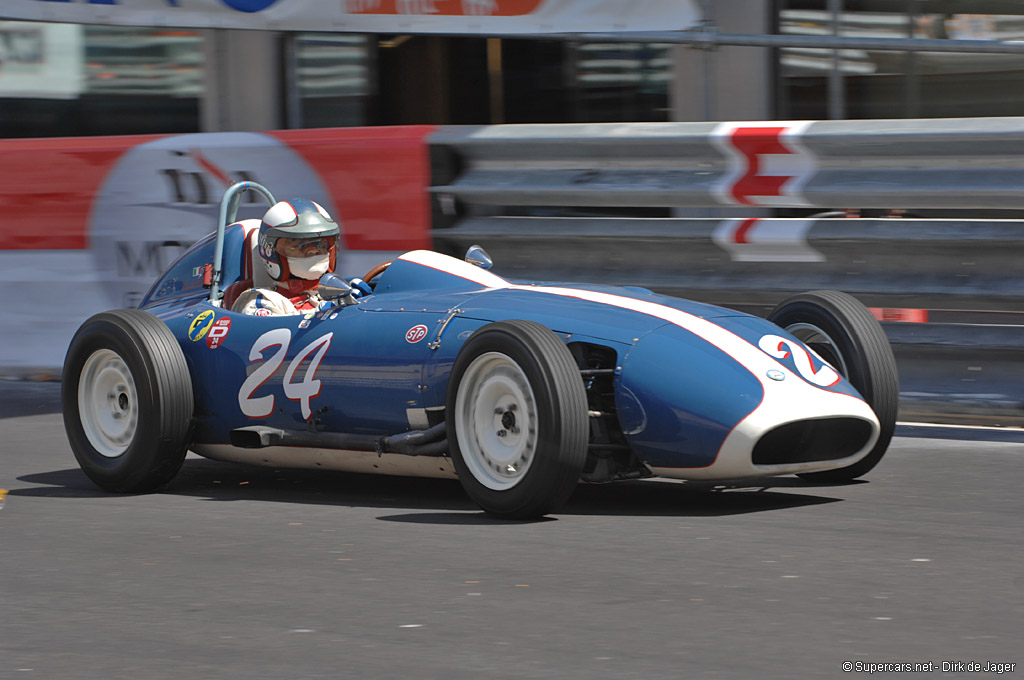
925,163
971,265
530,194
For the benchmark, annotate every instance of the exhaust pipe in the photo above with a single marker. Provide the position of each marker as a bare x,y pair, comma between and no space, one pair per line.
429,442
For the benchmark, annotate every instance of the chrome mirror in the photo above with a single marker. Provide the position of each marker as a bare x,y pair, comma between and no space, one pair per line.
478,256
333,287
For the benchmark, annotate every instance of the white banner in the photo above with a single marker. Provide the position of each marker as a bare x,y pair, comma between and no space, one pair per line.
40,60
486,17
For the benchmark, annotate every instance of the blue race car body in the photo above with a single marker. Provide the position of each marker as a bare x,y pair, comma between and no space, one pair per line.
520,389
694,391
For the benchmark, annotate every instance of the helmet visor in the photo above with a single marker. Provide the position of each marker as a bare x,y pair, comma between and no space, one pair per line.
304,247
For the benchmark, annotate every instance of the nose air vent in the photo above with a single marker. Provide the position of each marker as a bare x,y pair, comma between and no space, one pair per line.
808,441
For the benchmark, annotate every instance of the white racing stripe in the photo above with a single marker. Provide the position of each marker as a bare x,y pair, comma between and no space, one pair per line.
752,358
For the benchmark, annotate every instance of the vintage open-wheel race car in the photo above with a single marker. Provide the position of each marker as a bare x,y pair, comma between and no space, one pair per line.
521,389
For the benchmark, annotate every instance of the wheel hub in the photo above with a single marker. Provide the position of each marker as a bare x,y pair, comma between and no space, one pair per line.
508,419
505,422
108,403
496,420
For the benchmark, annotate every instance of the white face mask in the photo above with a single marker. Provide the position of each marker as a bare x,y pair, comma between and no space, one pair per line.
309,268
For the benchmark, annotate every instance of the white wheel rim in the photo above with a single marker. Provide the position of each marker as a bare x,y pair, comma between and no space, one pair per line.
496,421
809,333
108,404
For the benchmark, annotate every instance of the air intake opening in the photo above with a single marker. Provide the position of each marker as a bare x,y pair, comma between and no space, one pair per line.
808,441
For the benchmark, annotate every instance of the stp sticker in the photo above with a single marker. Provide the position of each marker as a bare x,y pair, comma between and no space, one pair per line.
197,329
416,333
218,332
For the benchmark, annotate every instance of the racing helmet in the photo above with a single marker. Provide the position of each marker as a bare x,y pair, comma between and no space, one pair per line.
297,238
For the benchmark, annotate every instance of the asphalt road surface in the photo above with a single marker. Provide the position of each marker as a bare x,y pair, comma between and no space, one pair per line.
240,572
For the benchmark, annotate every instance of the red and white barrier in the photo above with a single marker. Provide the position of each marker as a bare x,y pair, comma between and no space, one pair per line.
88,223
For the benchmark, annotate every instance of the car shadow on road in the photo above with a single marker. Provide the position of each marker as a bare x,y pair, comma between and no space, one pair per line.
442,501
693,499
70,483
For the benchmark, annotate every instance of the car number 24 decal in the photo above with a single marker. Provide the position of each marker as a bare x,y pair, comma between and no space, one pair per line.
307,388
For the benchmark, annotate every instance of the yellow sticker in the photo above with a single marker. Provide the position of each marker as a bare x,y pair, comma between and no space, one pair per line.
201,324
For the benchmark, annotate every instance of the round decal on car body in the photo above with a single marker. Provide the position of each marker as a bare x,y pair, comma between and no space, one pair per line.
416,333
197,329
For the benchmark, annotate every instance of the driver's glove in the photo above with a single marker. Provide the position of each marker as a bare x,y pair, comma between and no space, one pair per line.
360,288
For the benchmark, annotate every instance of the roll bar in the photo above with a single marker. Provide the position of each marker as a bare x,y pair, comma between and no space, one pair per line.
228,210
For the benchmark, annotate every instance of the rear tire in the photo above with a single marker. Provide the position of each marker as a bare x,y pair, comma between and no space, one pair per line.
517,420
127,398
843,332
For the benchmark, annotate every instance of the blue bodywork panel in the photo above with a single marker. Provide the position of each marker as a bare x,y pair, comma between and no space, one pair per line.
679,411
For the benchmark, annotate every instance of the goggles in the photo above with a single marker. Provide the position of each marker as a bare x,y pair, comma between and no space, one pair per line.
304,247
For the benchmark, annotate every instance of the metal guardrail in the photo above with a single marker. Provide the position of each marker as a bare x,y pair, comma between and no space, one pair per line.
713,39
969,374
970,265
923,163
519,191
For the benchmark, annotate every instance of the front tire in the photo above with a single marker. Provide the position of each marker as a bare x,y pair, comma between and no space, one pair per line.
127,398
843,332
517,419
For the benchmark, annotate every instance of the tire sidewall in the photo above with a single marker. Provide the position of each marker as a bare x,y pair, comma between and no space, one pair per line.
127,469
832,323
544,470
870,365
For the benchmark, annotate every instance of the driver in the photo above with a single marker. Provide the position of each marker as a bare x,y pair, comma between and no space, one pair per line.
298,243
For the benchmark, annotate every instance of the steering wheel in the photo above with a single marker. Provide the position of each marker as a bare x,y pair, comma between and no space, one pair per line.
376,271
